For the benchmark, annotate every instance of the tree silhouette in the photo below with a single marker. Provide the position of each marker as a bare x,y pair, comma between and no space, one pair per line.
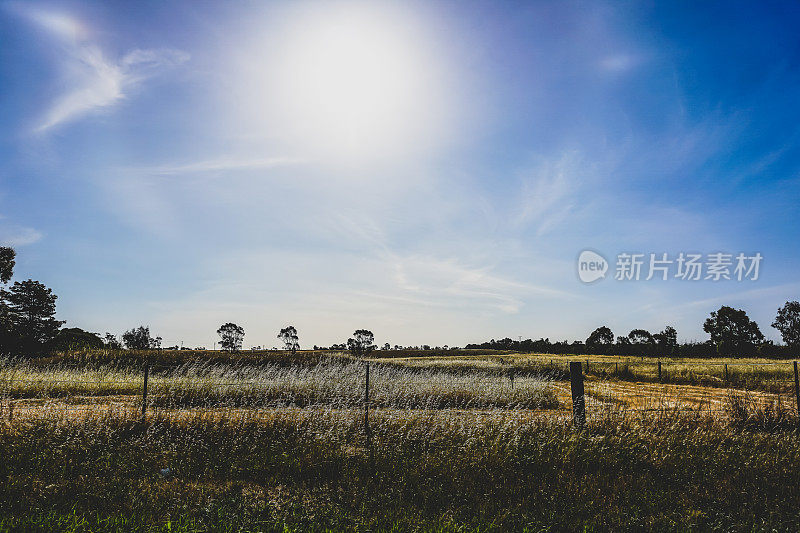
668,337
231,337
640,336
138,338
112,342
787,322
600,338
75,338
288,336
29,310
7,261
360,345
732,330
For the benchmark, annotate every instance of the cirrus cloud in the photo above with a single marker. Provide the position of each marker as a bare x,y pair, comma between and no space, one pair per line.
93,80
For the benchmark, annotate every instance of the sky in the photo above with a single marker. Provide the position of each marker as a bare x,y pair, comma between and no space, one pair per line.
430,171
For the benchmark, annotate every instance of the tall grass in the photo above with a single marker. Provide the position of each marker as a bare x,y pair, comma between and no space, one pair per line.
764,375
332,382
309,470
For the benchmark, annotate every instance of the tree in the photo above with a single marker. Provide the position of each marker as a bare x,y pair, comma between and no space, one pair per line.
231,337
668,338
7,261
600,338
360,345
75,338
732,331
138,338
112,342
787,322
288,336
29,314
640,336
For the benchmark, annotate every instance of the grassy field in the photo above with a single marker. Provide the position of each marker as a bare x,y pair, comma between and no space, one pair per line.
278,443
769,375
310,471
336,382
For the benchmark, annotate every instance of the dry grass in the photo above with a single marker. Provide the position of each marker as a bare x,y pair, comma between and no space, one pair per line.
768,375
453,446
332,382
446,470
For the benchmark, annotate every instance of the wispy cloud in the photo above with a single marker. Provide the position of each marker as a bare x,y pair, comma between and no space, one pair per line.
747,296
547,195
93,80
218,165
619,62
453,283
438,279
15,235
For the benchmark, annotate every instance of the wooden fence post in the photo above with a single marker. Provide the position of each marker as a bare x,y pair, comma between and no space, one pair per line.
144,390
10,394
366,404
726,372
797,391
578,397
659,371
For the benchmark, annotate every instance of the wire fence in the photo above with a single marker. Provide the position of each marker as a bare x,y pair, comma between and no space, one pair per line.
527,388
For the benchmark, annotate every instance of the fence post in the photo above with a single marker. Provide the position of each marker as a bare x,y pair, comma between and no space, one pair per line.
578,397
797,391
511,377
144,390
659,371
366,404
726,372
10,394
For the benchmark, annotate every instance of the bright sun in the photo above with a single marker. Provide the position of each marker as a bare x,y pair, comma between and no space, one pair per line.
353,81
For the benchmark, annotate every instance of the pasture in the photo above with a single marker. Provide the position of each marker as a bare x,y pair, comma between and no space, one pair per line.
470,442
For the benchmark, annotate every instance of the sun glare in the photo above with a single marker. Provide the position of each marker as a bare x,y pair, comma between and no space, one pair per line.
353,82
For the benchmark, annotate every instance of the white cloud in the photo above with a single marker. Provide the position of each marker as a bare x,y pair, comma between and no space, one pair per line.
14,235
546,198
93,80
449,282
619,62
219,164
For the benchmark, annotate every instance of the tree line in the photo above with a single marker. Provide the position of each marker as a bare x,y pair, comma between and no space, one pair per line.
28,326
731,332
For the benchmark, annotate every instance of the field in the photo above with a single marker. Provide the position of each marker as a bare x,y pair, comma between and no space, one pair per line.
469,442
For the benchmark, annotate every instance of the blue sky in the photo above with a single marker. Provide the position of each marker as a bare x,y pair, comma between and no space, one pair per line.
429,171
